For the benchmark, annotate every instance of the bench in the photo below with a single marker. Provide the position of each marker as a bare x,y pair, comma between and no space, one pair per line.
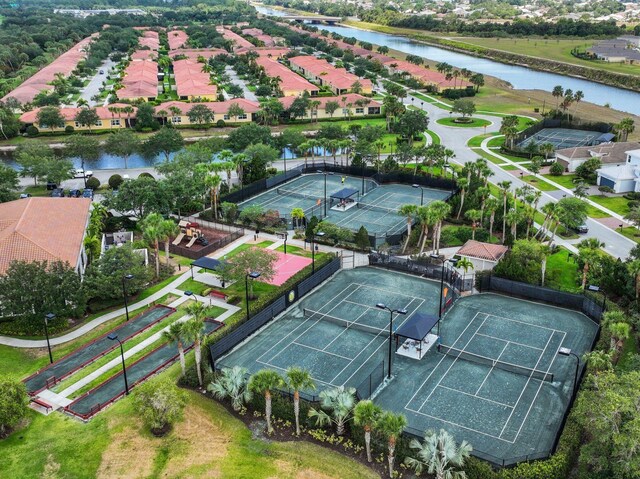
43,404
219,295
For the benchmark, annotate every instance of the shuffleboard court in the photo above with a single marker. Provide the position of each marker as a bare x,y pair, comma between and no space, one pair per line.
97,348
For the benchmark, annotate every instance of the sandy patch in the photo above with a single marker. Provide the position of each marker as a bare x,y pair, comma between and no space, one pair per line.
128,456
309,474
196,442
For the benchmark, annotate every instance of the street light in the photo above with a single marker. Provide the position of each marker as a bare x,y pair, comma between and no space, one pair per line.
421,193
48,317
568,352
114,337
325,189
126,277
252,275
391,311
313,249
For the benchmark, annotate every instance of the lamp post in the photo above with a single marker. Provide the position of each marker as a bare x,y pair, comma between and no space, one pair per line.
48,317
391,311
568,352
125,278
252,275
325,189
421,193
442,261
313,250
284,159
114,337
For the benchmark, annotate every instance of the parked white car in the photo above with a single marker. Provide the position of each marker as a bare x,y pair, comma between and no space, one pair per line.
80,173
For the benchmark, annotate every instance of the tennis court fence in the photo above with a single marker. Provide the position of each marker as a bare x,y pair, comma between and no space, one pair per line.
591,306
569,125
371,383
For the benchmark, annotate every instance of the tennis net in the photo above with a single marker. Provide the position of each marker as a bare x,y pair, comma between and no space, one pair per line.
379,209
295,194
308,313
478,359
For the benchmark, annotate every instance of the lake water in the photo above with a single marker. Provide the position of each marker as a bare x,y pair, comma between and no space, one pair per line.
521,78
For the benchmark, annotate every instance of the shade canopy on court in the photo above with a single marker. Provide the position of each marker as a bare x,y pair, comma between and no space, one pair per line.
210,264
344,193
417,327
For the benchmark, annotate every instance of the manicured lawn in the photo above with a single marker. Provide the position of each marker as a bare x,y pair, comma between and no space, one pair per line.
474,123
562,272
435,139
196,287
476,141
630,232
537,182
246,246
499,141
565,180
617,204
509,167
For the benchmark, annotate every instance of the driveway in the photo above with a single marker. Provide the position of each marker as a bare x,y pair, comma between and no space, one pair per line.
236,80
93,88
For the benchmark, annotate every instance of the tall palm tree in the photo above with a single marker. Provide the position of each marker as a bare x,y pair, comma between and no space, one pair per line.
491,205
545,252
128,110
504,191
226,158
463,184
264,382
391,425
298,379
232,384
557,92
409,212
194,330
152,232
169,229
439,455
589,250
620,332
340,402
634,269
483,192
427,218
239,160
213,182
297,215
513,218
624,127
174,334
474,217
441,211
365,414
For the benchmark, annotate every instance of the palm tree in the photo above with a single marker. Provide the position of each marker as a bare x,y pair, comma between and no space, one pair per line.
589,251
620,332
427,218
625,127
194,330
440,210
491,205
168,229
463,184
365,414
465,264
213,182
232,384
128,110
340,402
174,334
264,382
391,425
513,217
546,149
409,212
297,215
152,232
634,269
545,252
557,93
504,190
474,217
239,161
298,379
483,192
440,455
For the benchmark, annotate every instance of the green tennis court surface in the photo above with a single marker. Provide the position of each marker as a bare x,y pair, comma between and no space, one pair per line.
81,357
562,138
496,380
377,208
104,394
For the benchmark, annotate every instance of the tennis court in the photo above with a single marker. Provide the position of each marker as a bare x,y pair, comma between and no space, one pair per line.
376,209
562,138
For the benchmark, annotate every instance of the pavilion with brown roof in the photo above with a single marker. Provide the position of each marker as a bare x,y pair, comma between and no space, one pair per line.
44,229
484,256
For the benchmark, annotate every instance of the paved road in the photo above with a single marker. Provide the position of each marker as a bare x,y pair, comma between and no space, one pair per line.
93,88
248,94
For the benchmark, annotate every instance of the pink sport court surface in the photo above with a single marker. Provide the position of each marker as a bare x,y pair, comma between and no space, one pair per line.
286,266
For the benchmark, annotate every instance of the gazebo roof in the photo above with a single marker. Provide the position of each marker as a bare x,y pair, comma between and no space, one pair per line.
417,326
344,193
207,263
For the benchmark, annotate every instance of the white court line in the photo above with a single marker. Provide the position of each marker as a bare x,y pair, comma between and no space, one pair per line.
476,396
439,362
524,322
386,290
349,323
512,342
492,368
321,350
526,385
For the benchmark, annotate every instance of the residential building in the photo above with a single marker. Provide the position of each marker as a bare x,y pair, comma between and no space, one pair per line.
177,39
237,40
350,105
194,54
140,81
622,177
321,72
274,53
44,229
149,39
608,153
424,75
192,83
109,118
291,83
177,111
144,55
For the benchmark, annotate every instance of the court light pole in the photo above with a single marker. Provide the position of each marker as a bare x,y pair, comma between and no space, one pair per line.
442,261
421,193
284,159
252,275
391,311
325,189
114,337
48,317
313,250
125,278
568,352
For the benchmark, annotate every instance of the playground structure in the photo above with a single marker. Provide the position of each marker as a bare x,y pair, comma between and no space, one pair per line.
191,231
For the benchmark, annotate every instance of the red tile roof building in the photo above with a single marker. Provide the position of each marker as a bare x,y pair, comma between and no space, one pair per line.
107,118
192,82
194,53
177,39
350,104
140,81
292,84
149,39
237,40
65,64
144,55
219,108
322,72
44,229
424,75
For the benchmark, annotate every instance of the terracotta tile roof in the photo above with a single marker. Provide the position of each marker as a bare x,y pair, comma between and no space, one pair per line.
350,98
238,41
253,32
64,64
336,77
194,53
488,251
144,55
149,39
140,80
69,113
291,81
425,75
191,80
177,38
37,229
218,107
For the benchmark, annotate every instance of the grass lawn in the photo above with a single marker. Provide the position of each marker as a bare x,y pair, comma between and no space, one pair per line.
208,442
562,272
630,232
594,212
246,246
565,180
617,204
40,190
435,139
495,142
476,141
474,123
196,287
509,168
537,182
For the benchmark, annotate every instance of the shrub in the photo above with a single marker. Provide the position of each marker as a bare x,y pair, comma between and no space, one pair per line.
160,403
115,181
221,124
69,129
605,189
13,404
32,131
146,174
93,183
556,169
